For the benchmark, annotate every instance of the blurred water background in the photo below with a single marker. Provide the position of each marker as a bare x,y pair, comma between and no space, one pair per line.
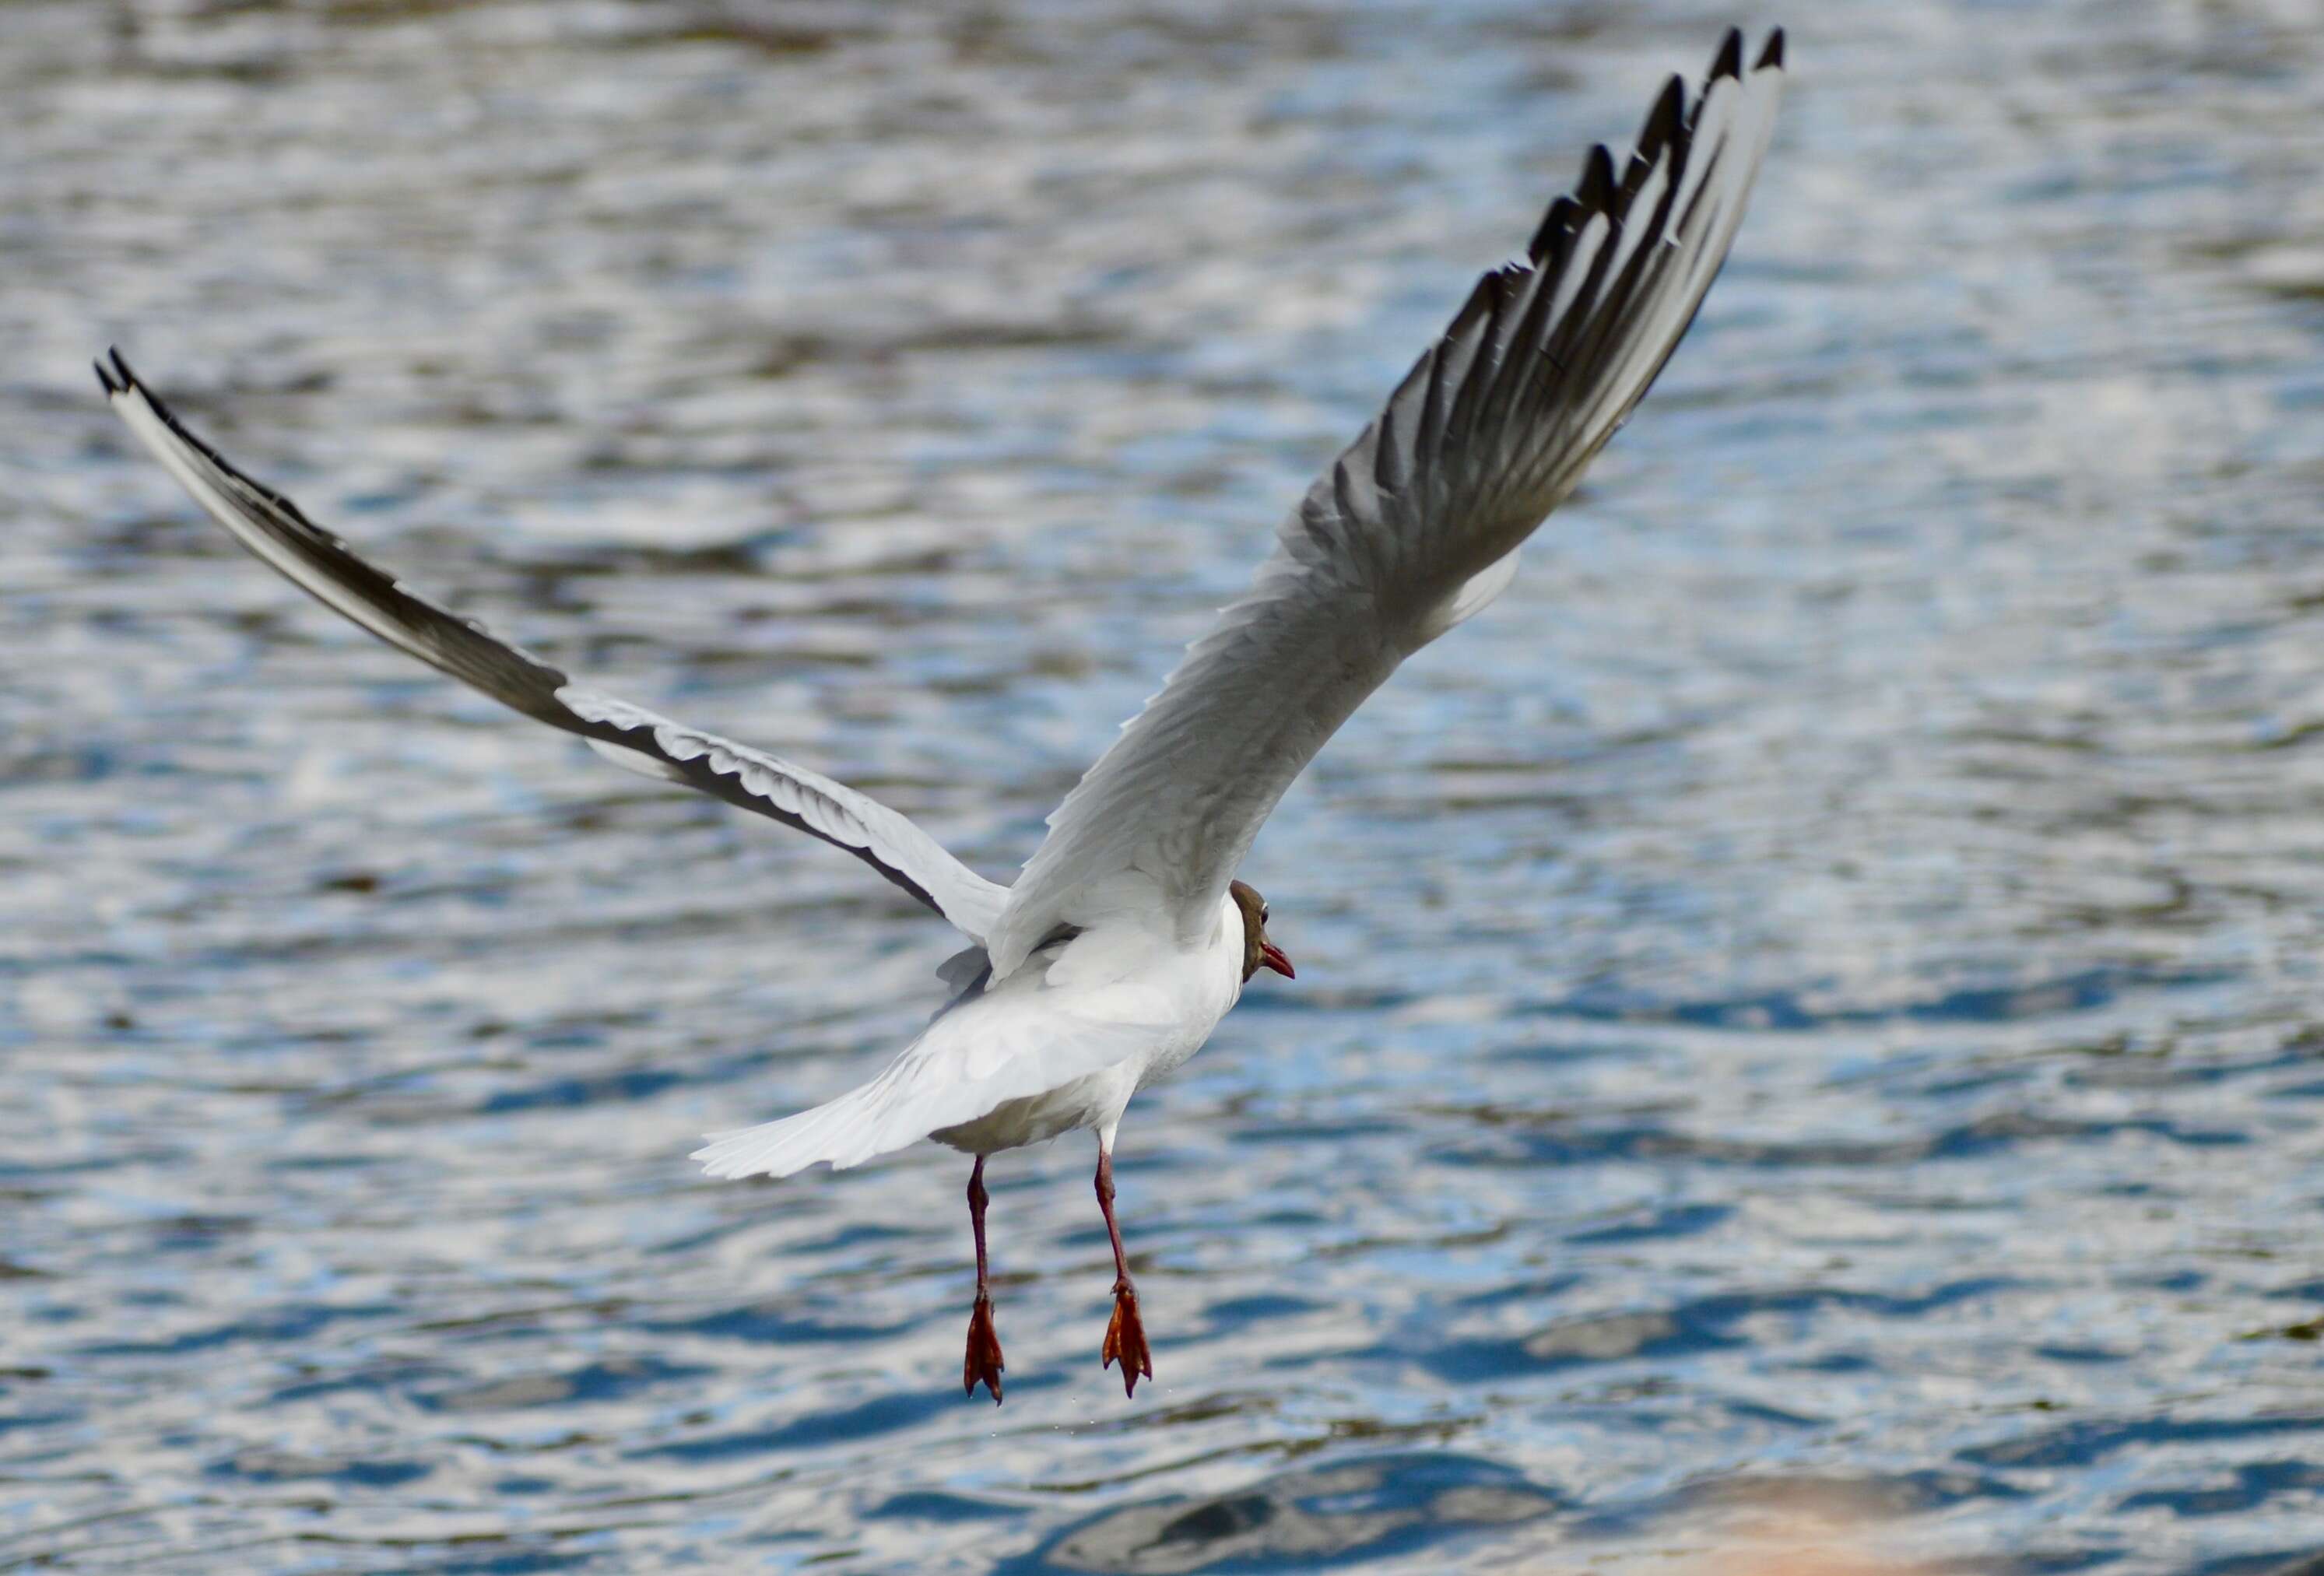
1808,1012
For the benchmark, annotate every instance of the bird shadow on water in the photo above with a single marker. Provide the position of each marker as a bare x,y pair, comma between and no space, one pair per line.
1404,1512
1386,1508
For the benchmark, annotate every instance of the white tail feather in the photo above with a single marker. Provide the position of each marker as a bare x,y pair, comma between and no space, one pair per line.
1032,1038
842,1132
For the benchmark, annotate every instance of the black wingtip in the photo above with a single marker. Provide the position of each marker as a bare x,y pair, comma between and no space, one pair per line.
1556,226
1663,120
118,378
1596,187
1773,55
1729,62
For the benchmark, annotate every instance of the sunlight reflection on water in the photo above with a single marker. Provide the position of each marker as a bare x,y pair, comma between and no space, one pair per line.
1805,1032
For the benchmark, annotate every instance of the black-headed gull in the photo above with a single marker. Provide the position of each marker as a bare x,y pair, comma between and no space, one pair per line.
1126,938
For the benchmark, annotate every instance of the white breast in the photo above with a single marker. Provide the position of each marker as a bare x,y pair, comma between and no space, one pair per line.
1120,978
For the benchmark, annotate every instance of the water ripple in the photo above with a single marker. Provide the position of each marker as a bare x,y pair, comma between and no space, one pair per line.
1806,1027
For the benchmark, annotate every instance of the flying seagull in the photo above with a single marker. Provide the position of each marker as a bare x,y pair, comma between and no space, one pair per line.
1126,938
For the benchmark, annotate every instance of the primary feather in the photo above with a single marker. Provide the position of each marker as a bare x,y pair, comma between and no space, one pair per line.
1119,948
280,535
1415,526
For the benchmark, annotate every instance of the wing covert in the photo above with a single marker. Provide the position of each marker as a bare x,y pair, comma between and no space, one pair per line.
1412,529
275,530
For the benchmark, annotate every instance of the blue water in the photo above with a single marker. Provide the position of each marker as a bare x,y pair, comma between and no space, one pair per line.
1808,1027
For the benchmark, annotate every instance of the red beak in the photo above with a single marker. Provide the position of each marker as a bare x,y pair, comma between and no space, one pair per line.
1270,956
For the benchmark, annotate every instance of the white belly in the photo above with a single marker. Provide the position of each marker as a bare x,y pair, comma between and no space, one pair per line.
1087,1103
1097,1100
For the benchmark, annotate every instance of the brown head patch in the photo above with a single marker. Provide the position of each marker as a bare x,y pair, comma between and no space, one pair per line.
1254,925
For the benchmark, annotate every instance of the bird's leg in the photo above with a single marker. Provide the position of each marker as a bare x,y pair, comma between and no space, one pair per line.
983,1364
1125,1337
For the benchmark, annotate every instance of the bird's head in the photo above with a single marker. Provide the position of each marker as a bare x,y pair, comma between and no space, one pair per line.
1257,952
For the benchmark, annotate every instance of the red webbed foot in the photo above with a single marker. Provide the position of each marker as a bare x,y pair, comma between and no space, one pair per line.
983,1364
1125,1338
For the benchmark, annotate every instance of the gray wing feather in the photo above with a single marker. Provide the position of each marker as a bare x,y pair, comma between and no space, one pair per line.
275,530
1412,527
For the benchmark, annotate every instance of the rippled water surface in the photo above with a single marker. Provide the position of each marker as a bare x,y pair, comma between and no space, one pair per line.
1808,1021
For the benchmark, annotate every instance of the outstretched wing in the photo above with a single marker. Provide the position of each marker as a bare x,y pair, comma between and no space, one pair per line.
1416,525
273,528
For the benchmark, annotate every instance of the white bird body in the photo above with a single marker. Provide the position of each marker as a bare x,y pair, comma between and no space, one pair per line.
1126,938
1168,997
1060,1044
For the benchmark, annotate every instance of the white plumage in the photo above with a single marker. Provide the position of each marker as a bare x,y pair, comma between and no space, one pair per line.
1126,939
1062,1044
1412,529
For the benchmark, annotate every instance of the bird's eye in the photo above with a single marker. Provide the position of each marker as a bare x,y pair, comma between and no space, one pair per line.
1262,913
